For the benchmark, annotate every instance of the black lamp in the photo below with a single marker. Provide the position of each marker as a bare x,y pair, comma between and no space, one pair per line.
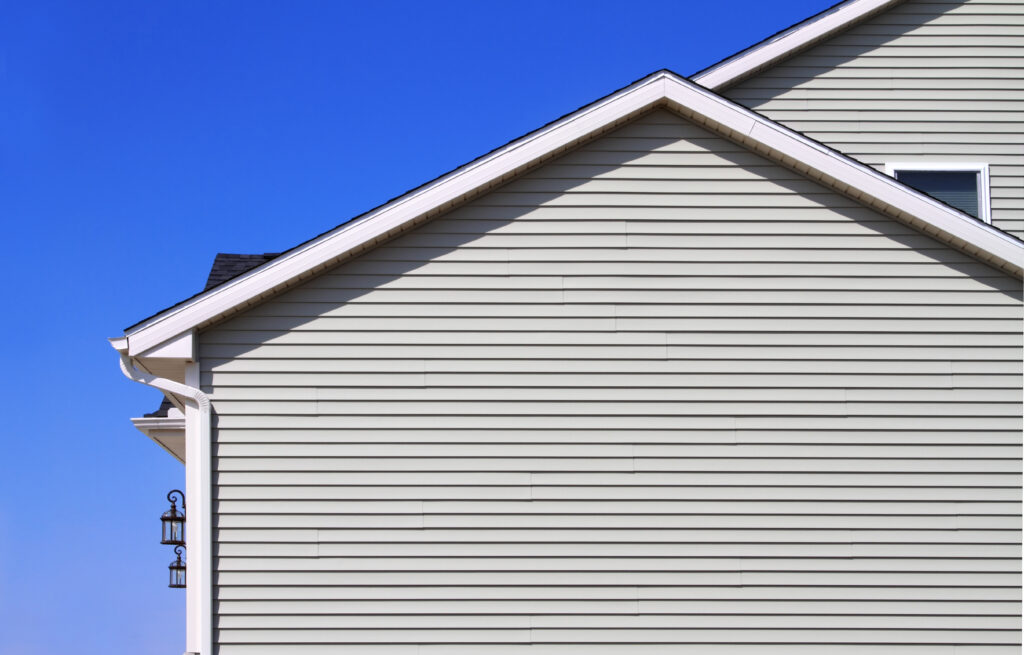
177,571
173,523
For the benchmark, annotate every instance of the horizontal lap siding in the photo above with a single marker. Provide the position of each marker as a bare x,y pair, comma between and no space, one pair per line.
658,392
926,81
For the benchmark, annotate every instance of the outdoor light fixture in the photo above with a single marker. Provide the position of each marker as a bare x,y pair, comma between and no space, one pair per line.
173,523
172,531
177,571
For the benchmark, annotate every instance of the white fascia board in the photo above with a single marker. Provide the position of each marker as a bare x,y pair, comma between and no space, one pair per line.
378,224
983,240
867,183
181,346
661,89
789,42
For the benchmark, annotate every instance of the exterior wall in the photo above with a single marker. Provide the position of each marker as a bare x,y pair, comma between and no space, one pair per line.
657,392
941,80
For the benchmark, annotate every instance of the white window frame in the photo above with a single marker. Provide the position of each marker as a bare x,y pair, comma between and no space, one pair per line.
984,193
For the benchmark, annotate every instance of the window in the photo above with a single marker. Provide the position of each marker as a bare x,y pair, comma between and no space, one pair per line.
963,186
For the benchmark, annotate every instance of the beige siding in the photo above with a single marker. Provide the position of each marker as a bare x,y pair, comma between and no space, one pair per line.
658,392
941,80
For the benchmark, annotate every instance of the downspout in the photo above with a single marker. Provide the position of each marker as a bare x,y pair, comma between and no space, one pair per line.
201,400
194,397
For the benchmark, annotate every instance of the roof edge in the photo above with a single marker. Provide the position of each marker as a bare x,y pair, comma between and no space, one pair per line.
788,42
659,89
496,165
430,183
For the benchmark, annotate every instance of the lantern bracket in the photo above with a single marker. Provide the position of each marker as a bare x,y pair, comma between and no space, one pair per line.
170,497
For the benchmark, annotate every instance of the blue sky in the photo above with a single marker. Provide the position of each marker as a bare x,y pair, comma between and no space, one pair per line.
139,139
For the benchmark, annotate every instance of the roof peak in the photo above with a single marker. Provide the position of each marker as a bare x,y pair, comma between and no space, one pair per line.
660,89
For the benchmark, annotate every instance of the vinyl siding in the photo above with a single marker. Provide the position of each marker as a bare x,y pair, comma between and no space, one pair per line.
936,81
657,392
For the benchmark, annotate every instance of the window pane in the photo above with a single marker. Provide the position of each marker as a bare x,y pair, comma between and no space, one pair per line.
956,188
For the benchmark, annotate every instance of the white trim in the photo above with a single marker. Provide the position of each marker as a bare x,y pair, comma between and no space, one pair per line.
393,216
181,346
868,184
159,427
984,185
789,42
147,423
661,89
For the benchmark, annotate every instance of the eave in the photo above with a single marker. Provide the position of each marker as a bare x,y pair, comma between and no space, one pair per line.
167,432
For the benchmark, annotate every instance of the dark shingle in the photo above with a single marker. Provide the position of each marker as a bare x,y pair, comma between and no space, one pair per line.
161,412
227,266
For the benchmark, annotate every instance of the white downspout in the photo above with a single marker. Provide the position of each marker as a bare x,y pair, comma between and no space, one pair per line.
199,633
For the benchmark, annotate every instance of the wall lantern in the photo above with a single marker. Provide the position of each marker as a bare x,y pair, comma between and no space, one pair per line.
173,523
177,571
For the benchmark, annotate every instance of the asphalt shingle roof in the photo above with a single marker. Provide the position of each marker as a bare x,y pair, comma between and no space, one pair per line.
226,266
162,410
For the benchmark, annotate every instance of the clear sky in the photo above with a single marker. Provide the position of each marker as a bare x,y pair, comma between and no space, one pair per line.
138,139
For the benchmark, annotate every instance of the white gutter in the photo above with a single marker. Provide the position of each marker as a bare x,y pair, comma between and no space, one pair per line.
199,545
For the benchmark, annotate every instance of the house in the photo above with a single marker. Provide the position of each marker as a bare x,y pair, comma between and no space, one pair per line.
728,364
